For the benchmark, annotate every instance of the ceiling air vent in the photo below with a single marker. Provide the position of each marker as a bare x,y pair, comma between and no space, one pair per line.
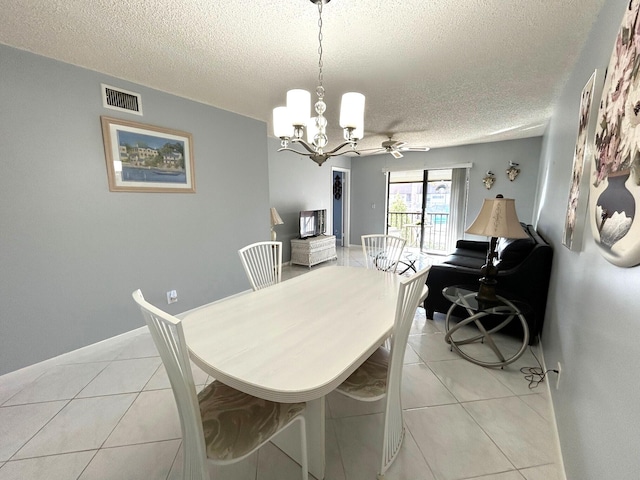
121,100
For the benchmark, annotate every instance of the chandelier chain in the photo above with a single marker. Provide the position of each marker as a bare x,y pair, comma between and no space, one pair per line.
320,44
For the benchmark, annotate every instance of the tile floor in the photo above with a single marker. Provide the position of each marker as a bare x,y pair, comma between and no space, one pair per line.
107,412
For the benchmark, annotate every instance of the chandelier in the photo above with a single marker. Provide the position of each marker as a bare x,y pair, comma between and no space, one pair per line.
290,122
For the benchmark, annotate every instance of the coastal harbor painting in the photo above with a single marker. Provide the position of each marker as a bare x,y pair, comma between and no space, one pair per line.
146,158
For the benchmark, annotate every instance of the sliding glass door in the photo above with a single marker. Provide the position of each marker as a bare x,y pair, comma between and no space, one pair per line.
423,207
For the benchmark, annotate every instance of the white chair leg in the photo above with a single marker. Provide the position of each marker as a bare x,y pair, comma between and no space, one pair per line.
193,468
303,442
393,434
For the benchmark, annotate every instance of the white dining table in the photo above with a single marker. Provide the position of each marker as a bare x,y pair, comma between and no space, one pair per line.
296,341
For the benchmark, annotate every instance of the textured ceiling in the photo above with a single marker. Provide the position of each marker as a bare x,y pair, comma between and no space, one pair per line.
434,72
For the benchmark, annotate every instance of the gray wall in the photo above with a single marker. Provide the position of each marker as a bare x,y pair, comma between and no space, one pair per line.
592,324
71,251
369,188
297,183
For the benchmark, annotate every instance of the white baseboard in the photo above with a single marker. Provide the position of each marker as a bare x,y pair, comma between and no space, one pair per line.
38,368
63,358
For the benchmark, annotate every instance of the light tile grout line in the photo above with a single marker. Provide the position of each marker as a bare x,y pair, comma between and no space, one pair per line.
462,403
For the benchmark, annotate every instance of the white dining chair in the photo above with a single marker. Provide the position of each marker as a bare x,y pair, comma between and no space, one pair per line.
382,252
220,424
380,376
262,262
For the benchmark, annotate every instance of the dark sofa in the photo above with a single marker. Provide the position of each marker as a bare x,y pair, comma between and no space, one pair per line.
524,269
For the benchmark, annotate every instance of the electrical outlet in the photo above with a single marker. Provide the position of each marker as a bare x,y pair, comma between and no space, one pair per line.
172,296
559,368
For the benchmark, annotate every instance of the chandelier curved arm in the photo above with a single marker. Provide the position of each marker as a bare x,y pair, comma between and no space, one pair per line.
306,146
319,158
333,152
288,149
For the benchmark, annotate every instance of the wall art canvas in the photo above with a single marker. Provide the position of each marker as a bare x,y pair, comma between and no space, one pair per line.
579,191
614,203
146,158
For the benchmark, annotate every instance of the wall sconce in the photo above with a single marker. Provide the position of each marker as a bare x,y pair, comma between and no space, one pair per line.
489,179
512,171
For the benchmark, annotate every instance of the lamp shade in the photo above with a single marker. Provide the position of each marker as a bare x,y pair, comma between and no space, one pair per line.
497,218
275,218
282,126
352,110
299,106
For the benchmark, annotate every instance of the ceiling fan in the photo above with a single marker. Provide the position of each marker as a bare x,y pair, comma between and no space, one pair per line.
395,148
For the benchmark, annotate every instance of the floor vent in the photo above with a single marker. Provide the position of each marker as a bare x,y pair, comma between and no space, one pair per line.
121,100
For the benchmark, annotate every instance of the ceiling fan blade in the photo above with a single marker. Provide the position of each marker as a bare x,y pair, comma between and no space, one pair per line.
368,150
415,149
393,144
395,153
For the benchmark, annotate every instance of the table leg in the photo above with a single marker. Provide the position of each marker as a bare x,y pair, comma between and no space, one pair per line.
485,335
289,440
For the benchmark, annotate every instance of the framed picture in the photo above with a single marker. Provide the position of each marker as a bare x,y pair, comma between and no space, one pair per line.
145,158
579,191
614,203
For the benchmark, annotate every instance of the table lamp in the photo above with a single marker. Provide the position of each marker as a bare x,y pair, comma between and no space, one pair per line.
275,220
497,218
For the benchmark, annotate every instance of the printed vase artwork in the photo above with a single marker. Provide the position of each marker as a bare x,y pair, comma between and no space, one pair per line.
579,191
615,209
615,174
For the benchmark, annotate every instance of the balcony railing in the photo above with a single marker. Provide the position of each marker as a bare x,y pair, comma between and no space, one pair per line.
407,225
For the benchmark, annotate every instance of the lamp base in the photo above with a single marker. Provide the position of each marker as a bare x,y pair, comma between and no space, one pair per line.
486,296
487,291
273,235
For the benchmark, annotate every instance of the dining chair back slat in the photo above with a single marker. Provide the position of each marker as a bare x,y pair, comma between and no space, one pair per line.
168,336
262,262
380,376
238,424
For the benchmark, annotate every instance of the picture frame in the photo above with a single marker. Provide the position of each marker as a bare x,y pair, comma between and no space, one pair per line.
147,158
577,203
614,197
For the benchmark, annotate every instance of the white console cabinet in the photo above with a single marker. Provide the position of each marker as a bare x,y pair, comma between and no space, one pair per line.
313,250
